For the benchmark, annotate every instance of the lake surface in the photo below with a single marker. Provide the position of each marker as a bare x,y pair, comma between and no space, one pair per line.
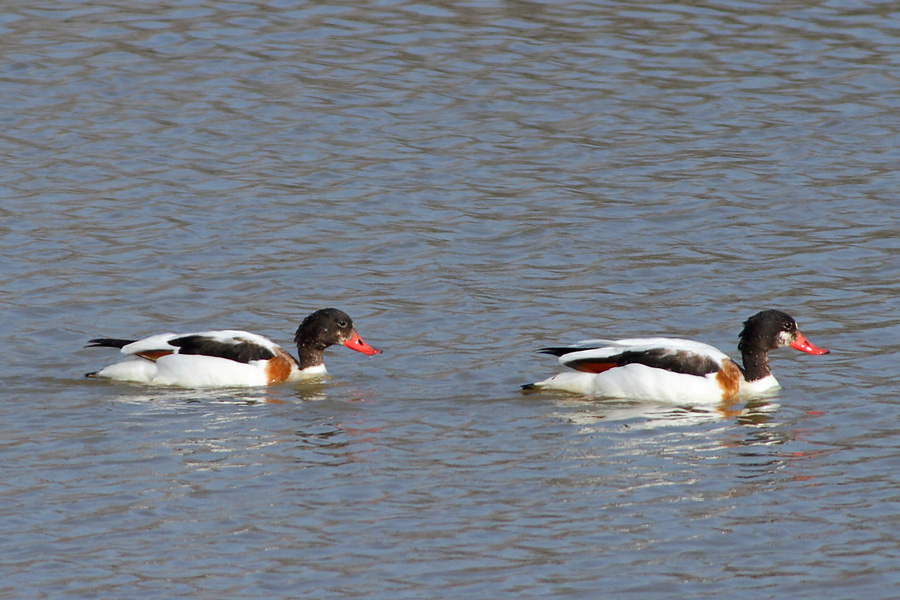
469,181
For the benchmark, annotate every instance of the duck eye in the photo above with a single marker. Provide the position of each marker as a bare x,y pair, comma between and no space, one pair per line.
342,323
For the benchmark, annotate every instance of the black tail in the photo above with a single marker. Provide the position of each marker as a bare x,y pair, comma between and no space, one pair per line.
108,343
560,351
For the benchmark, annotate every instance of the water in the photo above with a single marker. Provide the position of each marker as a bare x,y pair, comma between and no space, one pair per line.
470,181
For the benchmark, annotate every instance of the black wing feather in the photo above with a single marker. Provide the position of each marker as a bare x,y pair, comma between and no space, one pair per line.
243,351
680,361
677,361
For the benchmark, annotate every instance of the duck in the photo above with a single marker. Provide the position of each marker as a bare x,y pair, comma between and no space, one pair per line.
678,371
230,358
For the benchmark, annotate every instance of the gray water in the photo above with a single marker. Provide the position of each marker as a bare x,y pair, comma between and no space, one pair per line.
470,181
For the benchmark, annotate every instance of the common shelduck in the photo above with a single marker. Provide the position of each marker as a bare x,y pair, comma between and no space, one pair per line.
675,370
231,358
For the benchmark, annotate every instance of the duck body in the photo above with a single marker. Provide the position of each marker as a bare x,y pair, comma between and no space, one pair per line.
230,358
677,370
660,369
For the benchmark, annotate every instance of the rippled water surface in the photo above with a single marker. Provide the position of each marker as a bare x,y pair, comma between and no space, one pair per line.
470,181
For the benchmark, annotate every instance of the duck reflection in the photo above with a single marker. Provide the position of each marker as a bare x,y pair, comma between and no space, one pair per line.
747,446
172,397
650,415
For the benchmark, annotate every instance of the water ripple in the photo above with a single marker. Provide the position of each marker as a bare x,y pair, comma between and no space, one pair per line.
469,181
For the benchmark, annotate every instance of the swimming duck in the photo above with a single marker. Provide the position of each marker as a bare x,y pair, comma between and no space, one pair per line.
229,358
677,370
